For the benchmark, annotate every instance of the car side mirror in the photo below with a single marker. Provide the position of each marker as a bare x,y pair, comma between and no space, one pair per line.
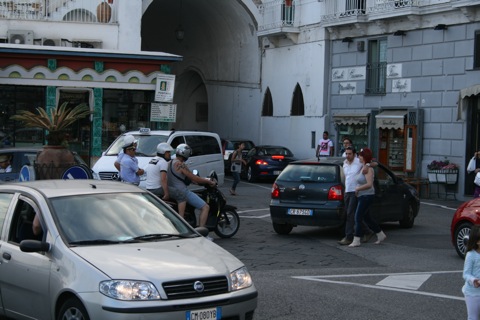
34,246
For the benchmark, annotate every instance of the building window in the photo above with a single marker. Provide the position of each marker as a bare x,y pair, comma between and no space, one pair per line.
267,109
298,108
476,55
377,66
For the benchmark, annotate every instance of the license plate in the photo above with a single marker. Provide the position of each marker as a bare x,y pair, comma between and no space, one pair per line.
277,172
300,212
205,314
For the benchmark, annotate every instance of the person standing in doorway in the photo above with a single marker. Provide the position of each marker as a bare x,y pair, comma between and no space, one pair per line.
471,274
236,167
325,146
474,167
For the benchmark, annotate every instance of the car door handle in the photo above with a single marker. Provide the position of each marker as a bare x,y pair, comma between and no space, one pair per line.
6,256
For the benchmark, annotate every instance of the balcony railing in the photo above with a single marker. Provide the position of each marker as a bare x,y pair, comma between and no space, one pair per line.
277,14
88,11
335,10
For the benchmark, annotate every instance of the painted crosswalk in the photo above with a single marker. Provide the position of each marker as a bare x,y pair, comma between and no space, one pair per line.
399,282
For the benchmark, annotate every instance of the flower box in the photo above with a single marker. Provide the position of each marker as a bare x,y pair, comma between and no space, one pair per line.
446,176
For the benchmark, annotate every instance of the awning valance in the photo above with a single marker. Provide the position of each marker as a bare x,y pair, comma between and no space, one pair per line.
391,119
465,93
351,118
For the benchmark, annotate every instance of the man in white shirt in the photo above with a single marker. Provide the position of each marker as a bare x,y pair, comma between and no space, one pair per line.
5,165
156,169
352,167
325,146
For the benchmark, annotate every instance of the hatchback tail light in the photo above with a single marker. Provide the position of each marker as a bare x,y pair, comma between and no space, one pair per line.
278,157
335,193
261,162
275,191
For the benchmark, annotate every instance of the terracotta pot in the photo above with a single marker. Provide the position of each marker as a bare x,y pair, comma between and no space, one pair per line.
52,161
104,12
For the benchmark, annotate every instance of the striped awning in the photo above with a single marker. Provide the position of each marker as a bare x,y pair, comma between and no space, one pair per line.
351,118
391,119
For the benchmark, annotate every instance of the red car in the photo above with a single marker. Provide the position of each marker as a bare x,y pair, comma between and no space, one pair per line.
464,218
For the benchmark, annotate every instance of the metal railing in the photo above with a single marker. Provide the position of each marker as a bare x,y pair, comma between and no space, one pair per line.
376,78
277,14
338,9
88,11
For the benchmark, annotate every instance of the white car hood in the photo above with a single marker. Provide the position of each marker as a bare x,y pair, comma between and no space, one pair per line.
160,261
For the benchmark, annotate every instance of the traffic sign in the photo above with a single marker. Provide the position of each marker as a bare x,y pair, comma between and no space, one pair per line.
77,172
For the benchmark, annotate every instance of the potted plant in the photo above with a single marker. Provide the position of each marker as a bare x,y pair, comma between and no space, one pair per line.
54,157
442,172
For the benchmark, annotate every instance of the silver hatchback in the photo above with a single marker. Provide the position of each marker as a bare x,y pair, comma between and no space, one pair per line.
90,249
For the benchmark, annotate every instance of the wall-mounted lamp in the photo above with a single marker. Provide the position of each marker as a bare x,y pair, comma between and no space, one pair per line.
179,32
441,27
400,33
347,39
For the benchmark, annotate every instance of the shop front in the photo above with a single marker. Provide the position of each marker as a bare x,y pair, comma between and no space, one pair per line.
118,87
353,125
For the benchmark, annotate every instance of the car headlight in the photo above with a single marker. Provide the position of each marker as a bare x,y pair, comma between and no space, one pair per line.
129,290
240,279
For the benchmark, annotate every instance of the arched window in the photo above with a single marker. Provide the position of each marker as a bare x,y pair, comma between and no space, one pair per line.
298,107
267,109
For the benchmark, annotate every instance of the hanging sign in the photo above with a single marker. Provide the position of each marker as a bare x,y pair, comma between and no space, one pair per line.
163,112
164,88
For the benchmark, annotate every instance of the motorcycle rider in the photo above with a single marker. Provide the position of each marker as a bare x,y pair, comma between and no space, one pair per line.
179,177
157,169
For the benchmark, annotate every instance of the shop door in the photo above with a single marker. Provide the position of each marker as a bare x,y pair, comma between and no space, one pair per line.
473,140
392,149
78,135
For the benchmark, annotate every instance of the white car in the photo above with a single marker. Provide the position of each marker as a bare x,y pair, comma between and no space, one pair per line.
110,250
206,155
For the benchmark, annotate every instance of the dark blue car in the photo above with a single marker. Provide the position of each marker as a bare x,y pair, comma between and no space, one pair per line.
266,162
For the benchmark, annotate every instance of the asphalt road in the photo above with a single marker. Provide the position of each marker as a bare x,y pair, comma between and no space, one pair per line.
414,274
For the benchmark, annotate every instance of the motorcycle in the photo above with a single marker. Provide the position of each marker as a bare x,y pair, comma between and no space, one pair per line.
222,219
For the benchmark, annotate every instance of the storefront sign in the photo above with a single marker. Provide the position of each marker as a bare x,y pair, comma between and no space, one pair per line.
391,119
350,119
164,88
163,112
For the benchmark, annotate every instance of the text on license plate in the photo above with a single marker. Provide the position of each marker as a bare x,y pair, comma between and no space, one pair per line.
300,212
205,314
276,172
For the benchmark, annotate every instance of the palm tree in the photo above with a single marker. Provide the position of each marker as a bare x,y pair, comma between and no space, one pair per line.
55,121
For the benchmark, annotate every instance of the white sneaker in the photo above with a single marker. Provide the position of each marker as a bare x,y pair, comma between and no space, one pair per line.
209,238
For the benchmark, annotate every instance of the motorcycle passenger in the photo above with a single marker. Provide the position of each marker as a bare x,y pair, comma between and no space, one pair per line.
129,170
157,169
179,177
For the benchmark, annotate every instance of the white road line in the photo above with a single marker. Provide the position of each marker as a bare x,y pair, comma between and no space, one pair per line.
438,205
255,217
388,288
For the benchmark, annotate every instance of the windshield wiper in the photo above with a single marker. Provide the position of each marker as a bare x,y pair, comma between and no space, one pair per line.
156,236
93,242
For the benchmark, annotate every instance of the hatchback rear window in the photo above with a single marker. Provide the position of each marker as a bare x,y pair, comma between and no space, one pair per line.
306,173
275,151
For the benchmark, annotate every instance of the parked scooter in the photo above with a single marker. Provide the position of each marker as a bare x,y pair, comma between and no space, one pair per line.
223,219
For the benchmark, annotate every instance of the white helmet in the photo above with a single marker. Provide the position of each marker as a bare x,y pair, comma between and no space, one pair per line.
128,141
163,147
183,150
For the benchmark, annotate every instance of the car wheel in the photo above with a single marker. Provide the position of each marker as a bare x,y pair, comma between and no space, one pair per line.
408,218
250,175
461,238
73,309
282,228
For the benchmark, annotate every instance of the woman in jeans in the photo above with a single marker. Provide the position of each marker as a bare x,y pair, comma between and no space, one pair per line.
365,193
236,168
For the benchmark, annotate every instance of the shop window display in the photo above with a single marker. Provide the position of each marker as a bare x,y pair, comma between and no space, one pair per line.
358,133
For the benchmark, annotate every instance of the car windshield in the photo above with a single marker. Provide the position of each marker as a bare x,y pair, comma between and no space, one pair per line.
146,145
275,151
309,173
117,217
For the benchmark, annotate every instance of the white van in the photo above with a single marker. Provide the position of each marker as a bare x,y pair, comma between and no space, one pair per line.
206,152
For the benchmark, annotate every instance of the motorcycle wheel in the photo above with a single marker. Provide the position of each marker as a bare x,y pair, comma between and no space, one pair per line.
228,224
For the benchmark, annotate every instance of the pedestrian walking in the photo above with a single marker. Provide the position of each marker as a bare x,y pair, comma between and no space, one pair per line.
325,146
365,193
471,274
236,167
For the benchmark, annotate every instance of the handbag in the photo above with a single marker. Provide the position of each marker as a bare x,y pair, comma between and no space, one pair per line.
477,179
235,167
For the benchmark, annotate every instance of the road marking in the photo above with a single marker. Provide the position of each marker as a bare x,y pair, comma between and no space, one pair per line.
438,205
392,282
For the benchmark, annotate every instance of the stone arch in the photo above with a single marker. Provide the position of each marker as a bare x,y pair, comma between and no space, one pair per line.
267,108
192,103
298,106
